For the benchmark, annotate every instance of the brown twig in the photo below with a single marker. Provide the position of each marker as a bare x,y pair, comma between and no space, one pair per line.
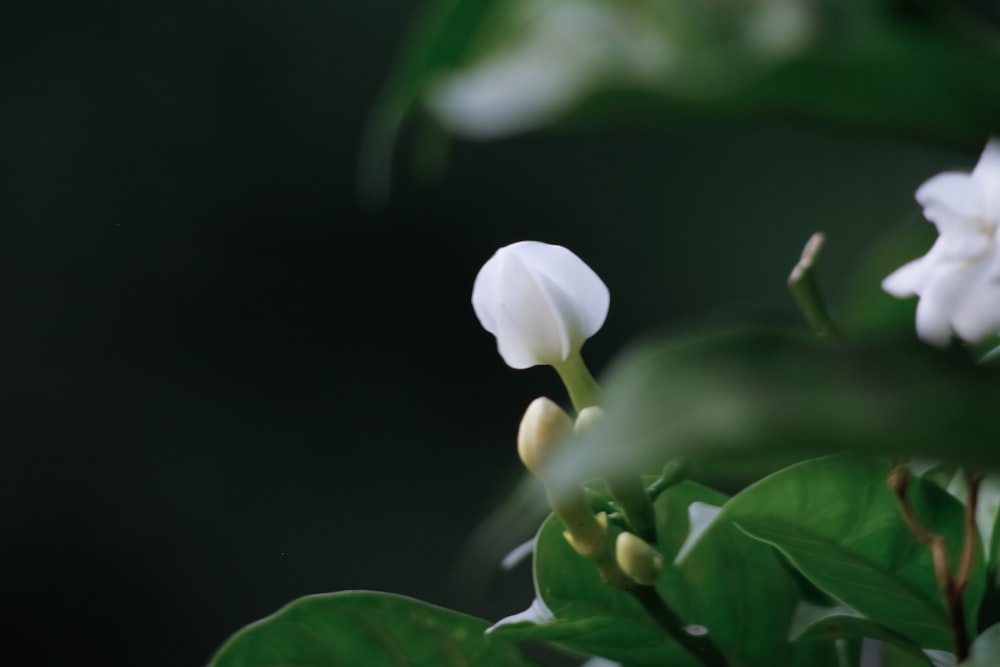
973,480
952,588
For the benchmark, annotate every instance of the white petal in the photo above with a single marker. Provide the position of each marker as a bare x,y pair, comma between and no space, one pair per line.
938,302
486,293
538,614
978,313
987,176
583,297
908,279
951,200
507,95
530,330
964,246
980,317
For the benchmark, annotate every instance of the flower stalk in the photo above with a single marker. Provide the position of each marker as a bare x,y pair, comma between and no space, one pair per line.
804,288
584,392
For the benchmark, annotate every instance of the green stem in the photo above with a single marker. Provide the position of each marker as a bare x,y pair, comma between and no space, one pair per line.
630,494
802,284
674,472
700,646
581,385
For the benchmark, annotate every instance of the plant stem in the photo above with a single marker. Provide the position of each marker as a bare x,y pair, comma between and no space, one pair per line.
973,481
581,385
802,284
674,472
630,495
698,645
952,588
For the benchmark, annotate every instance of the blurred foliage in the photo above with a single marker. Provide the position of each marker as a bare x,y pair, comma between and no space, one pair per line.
487,69
365,628
744,401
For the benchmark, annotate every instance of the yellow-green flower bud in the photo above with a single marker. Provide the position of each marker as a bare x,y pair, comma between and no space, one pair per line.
637,559
543,426
588,535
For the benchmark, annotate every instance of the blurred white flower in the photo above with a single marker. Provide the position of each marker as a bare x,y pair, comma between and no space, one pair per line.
540,301
566,51
958,280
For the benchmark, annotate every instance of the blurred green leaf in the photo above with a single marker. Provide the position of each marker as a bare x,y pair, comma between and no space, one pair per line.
437,40
734,586
743,402
836,520
365,628
868,311
486,69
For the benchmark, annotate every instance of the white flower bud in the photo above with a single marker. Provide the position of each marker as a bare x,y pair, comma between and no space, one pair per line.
543,426
637,559
588,419
958,280
540,301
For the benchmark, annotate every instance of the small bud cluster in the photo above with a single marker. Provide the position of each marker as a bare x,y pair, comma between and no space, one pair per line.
543,430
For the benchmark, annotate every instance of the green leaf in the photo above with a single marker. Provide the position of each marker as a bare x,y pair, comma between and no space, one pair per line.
813,622
840,526
925,69
735,587
366,628
747,401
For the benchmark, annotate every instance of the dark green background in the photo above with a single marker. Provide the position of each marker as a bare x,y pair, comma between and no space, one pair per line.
228,384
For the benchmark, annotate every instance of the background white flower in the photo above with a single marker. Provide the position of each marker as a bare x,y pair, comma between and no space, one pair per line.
958,280
540,301
566,50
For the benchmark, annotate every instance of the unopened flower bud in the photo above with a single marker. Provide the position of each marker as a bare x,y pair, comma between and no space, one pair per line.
637,559
540,301
588,534
588,419
543,426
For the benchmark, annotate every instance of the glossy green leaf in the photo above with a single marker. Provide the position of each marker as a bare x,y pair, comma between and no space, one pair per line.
747,401
735,587
366,628
839,525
